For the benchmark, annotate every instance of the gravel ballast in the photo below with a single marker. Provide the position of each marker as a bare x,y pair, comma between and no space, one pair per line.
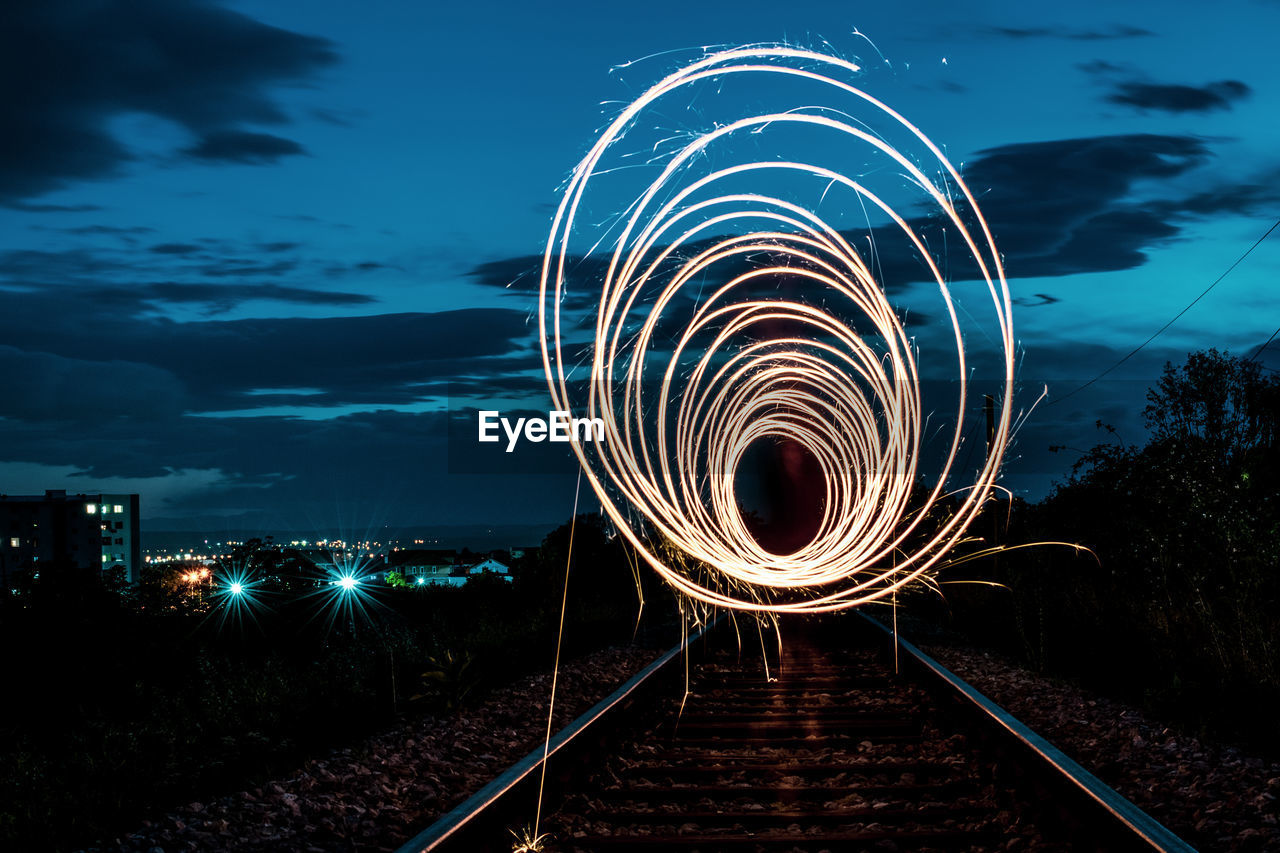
377,794
1215,797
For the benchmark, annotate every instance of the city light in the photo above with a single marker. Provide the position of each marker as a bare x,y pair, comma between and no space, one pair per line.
349,596
236,594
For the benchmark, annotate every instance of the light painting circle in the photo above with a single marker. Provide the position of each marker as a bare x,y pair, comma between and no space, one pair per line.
701,290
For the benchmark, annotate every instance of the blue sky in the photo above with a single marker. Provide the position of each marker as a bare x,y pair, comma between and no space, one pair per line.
244,247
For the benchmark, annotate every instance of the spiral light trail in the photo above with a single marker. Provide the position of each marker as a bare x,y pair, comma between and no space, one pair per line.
730,308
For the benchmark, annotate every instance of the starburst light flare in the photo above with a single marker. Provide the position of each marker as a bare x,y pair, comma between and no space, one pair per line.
743,295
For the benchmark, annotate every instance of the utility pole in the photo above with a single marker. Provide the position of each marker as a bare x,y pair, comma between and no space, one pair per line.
989,408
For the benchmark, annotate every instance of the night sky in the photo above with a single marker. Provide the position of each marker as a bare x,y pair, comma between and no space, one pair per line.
247,249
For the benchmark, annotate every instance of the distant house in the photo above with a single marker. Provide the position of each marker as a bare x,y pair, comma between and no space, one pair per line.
490,565
441,568
421,565
437,580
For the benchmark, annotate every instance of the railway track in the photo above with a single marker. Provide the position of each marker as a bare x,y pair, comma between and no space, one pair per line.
826,748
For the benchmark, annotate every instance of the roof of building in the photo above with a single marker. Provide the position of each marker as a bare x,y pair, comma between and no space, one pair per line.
422,556
489,565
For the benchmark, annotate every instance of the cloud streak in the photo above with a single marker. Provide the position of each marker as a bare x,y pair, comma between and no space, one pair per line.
1057,208
238,146
72,67
1172,98
1115,31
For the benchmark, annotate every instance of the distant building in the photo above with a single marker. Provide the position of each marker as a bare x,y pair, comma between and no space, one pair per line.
489,565
423,563
81,531
437,580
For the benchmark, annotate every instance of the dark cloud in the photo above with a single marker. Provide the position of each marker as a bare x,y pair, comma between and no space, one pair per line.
520,273
369,359
27,207
1117,31
1101,67
124,400
1107,242
339,118
1064,173
1056,208
336,270
238,146
50,388
161,274
1063,207
68,265
312,220
241,268
1036,300
67,303
1177,98
1128,88
224,297
1244,198
111,230
80,64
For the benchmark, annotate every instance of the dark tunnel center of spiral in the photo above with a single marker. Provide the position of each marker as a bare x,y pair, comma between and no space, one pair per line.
780,489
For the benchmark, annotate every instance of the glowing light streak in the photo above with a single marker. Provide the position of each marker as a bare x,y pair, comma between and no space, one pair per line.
666,470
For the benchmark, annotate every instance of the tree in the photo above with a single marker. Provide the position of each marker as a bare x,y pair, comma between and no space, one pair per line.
1186,531
604,575
1218,403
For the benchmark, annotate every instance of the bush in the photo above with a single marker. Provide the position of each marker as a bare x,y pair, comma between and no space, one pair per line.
1178,608
125,703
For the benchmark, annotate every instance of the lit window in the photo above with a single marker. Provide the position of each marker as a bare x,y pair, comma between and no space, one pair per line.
104,558
117,508
91,508
13,542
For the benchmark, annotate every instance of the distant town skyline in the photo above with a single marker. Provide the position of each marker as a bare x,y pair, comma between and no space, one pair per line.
248,250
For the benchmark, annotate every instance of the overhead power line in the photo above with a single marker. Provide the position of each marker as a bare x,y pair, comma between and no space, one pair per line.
1176,317
1254,357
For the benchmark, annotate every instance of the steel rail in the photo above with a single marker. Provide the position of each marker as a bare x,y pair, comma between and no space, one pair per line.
1108,805
477,814
1098,812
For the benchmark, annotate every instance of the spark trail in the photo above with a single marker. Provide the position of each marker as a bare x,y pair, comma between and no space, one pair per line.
732,305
